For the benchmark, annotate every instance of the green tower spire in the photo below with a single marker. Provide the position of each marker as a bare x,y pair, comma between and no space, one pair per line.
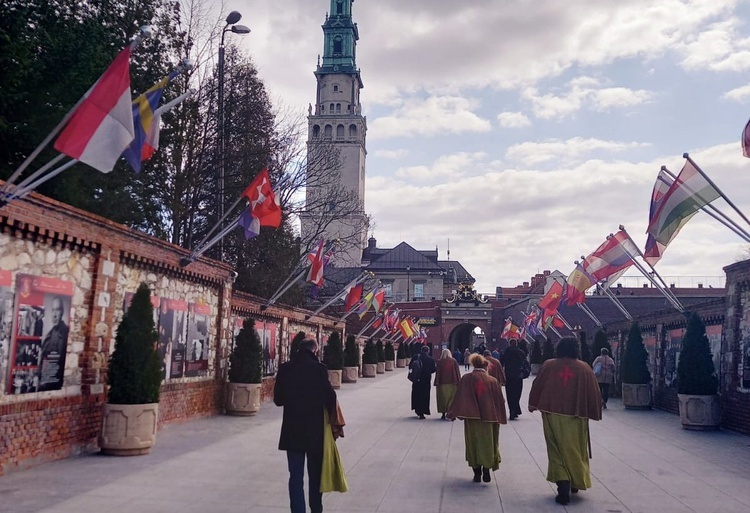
341,35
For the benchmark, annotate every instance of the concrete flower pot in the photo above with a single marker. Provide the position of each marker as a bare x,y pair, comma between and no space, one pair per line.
128,429
380,369
243,399
700,412
350,375
389,365
401,363
334,376
369,370
636,396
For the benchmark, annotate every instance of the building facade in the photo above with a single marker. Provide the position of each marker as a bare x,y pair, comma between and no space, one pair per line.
336,150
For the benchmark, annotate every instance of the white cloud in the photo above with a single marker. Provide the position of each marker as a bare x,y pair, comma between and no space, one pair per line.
391,154
445,169
739,94
513,120
433,116
570,150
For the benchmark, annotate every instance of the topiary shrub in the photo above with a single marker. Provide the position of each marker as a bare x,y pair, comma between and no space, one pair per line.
370,353
536,352
381,350
634,365
548,352
585,349
134,373
246,360
294,346
696,374
390,354
333,352
351,352
401,351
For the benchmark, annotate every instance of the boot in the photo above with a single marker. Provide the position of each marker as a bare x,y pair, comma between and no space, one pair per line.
477,474
486,475
443,417
563,492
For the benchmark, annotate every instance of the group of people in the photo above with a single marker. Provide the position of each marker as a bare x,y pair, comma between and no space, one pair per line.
566,392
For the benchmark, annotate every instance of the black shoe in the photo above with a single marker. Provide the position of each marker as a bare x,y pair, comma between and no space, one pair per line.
486,475
563,492
421,416
604,406
443,417
513,417
477,474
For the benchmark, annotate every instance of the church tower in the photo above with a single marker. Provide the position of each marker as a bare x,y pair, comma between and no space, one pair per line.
336,143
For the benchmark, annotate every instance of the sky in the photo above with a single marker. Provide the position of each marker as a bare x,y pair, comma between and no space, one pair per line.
523,133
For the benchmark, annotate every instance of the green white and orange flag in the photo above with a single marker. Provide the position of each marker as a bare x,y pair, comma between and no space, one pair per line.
689,192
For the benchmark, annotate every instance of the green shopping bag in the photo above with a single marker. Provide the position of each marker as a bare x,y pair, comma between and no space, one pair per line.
332,477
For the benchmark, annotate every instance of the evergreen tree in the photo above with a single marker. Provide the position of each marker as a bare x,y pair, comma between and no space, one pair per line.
333,352
390,354
696,374
548,351
370,353
585,350
351,352
134,373
600,341
401,351
536,352
381,350
246,360
634,366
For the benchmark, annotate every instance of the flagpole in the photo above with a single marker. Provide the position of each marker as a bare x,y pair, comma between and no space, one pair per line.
145,33
686,156
362,276
564,321
366,326
202,248
554,330
24,189
714,212
280,293
292,278
618,304
591,315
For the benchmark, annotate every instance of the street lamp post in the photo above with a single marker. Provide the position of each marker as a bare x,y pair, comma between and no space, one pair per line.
231,26
408,283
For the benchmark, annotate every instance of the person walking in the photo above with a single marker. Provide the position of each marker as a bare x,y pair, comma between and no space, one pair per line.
566,392
512,360
604,369
447,377
467,354
303,389
420,389
480,404
494,368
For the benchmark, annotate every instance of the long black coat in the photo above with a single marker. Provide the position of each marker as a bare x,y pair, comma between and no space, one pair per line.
512,360
420,391
303,389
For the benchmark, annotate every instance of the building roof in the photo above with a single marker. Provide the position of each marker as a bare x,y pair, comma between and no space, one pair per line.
398,258
455,272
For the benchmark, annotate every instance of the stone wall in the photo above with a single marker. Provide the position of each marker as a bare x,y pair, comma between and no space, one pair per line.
734,371
93,265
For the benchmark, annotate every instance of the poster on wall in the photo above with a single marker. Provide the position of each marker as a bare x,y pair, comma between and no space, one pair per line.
267,332
40,340
172,344
672,357
196,359
713,333
6,318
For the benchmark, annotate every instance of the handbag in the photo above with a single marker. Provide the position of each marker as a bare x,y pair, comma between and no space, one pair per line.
525,369
598,369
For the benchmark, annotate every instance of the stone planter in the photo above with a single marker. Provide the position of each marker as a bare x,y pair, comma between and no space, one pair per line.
334,376
388,365
243,399
401,363
636,396
535,368
350,375
369,370
128,429
380,369
700,412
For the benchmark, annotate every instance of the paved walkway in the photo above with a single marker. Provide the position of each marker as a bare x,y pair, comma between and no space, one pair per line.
642,462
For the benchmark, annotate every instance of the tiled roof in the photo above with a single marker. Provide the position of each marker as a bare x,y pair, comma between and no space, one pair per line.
460,274
401,256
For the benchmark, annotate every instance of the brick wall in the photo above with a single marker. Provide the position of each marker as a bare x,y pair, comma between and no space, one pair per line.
104,260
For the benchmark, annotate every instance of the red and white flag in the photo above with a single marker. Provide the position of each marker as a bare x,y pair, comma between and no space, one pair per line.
101,128
315,273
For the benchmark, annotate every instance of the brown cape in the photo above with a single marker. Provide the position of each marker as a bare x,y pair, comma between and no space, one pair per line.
495,369
567,387
447,372
480,397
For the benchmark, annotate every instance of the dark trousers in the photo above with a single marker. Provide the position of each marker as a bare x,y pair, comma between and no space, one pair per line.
604,388
513,388
296,463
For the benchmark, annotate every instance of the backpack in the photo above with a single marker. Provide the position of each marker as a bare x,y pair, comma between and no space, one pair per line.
415,369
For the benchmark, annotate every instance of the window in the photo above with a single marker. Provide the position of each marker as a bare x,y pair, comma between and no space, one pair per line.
336,89
340,7
338,45
328,131
316,131
340,132
332,107
352,130
388,289
338,108
419,291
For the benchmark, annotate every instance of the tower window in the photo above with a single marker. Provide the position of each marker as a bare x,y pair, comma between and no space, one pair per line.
338,45
340,7
336,89
340,132
316,131
338,108
328,131
352,130
322,108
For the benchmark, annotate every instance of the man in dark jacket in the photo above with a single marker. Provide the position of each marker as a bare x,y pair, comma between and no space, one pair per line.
512,360
303,389
420,390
